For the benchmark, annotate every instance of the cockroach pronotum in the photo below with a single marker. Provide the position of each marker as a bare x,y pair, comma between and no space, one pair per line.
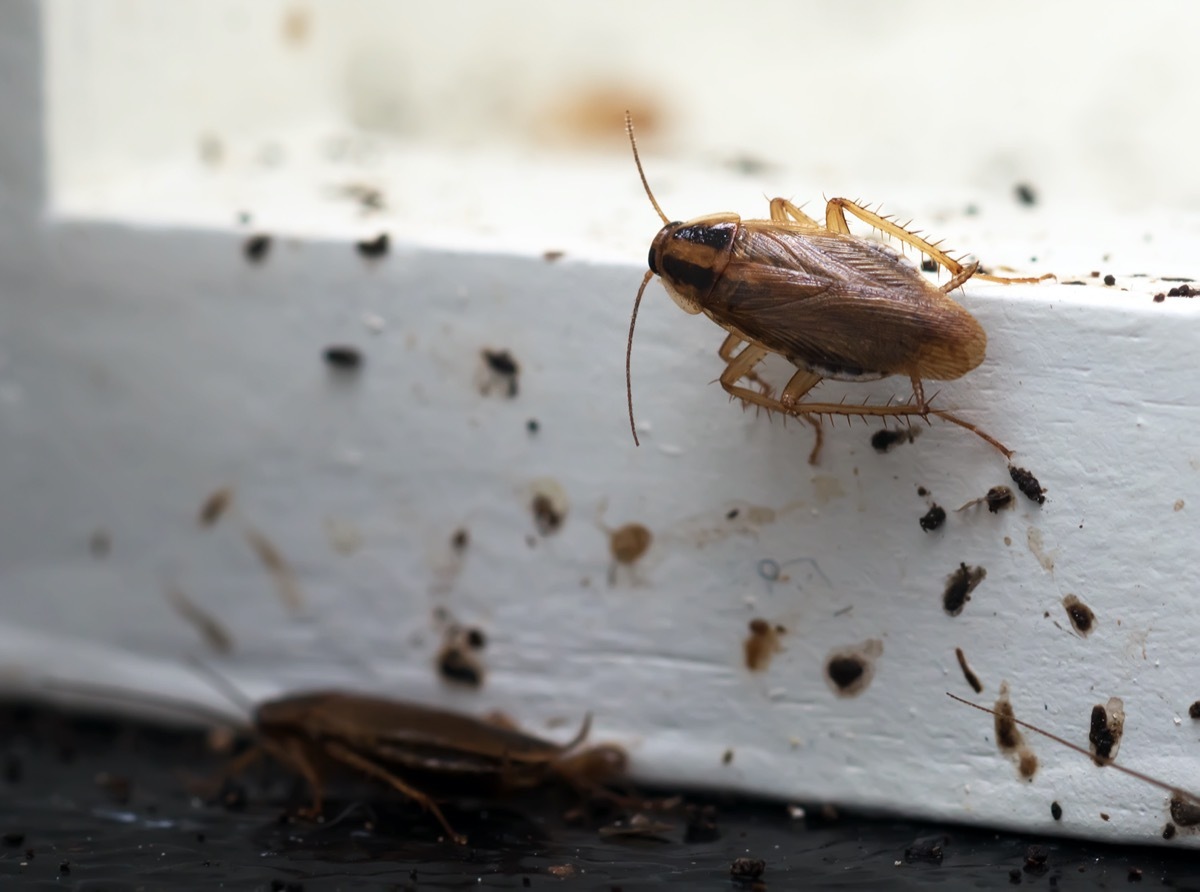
396,743
834,305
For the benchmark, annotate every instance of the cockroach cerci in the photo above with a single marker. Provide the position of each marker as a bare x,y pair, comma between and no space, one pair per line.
834,305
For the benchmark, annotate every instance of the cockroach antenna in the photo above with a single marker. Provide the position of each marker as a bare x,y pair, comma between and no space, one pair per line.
638,161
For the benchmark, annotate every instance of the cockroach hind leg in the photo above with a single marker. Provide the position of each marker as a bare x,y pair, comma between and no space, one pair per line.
353,760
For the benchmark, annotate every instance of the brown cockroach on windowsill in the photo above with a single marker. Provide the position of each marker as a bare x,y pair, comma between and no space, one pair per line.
400,745
834,305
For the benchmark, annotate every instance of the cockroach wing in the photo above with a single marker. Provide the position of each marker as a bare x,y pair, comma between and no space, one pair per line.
843,307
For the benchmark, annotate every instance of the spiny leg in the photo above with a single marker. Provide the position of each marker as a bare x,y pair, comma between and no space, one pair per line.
781,209
728,351
835,221
366,766
798,385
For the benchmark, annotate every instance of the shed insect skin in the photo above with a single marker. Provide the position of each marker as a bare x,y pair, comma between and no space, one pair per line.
1176,792
834,305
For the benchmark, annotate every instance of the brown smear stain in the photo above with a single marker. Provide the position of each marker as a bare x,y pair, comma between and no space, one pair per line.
1107,727
215,506
849,670
1009,738
1083,620
959,586
968,673
215,635
272,559
1037,547
592,115
297,26
549,505
762,644
629,542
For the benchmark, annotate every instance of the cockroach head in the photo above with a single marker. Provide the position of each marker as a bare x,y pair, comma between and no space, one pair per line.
657,246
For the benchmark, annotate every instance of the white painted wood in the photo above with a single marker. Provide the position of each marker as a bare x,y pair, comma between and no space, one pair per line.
144,362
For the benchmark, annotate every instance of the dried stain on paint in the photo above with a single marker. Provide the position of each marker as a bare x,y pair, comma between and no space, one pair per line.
849,670
761,644
1009,738
1082,617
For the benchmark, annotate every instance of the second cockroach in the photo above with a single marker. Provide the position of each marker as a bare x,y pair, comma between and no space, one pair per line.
834,305
408,747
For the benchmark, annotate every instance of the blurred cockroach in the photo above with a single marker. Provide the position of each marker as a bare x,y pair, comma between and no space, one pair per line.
402,744
834,305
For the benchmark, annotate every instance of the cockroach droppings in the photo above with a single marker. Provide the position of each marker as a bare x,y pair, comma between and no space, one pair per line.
1056,811
933,518
885,438
1110,280
849,671
501,368
1106,727
999,498
761,644
460,540
968,673
959,586
343,358
214,506
1194,710
1083,620
1028,484
256,248
1025,194
375,247
1184,813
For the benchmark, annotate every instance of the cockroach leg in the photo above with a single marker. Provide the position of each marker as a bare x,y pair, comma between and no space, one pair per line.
982,434
781,209
352,759
835,221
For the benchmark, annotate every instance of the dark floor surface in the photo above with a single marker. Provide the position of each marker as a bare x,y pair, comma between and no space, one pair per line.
100,805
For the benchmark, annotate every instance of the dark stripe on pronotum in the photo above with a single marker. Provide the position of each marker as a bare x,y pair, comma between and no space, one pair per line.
693,275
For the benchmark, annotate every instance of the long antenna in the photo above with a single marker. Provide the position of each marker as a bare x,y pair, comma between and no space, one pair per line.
638,161
1103,760
637,302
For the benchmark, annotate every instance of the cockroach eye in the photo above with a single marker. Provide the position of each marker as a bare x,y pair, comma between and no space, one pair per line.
653,267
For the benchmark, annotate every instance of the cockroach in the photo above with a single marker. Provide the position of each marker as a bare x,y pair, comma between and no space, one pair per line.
834,305
399,744
1179,796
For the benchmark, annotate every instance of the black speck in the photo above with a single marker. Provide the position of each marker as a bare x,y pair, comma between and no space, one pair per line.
731,514
257,247
1056,811
64,867
1194,710
13,838
922,491
933,518
1025,194
1159,298
845,671
1110,279
456,666
374,247
1014,877
1169,831
884,439
343,358
460,540
532,426
476,639
1028,484
1135,875
928,265
502,364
